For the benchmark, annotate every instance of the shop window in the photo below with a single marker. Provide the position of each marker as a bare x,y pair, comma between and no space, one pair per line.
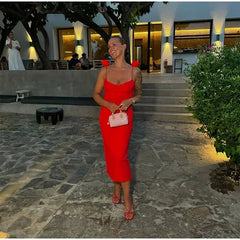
190,36
98,48
232,32
66,43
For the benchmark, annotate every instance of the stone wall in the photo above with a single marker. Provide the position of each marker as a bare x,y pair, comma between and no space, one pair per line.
63,83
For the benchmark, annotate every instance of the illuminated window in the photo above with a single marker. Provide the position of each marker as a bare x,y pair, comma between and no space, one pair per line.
232,32
98,48
190,36
66,43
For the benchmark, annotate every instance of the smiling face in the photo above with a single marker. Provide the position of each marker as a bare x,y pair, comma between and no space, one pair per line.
116,48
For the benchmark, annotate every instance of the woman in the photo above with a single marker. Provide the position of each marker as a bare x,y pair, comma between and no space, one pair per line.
14,58
122,84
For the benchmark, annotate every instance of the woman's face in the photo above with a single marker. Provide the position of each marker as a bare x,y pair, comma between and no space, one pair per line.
11,35
115,48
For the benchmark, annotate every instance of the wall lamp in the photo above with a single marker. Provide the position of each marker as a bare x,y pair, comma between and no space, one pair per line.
79,42
217,37
30,44
167,39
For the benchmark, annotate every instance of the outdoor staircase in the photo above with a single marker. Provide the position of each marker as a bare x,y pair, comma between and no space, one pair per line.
164,98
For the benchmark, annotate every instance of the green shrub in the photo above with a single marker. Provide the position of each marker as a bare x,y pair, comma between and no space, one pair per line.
215,102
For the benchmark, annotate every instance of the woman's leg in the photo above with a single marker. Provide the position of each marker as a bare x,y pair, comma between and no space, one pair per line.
116,198
129,213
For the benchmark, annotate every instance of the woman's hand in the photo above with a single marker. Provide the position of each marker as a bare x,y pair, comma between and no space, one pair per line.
112,107
125,104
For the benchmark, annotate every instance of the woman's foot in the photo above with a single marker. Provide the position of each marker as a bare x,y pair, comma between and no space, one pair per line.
116,198
129,212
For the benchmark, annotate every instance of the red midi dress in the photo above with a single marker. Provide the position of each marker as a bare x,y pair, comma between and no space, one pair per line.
116,139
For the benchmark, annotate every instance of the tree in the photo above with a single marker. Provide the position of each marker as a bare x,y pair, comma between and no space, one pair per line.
33,16
33,21
124,15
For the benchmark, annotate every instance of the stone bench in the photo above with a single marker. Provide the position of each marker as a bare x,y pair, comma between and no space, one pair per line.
21,94
54,112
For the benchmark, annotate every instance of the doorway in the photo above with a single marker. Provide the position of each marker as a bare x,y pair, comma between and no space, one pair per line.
147,46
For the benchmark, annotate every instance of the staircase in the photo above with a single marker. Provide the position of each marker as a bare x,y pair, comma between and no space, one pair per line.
164,98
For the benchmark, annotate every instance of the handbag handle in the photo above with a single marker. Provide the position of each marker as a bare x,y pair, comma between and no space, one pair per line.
121,115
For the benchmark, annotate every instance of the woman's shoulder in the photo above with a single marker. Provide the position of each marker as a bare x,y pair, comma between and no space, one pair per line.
7,41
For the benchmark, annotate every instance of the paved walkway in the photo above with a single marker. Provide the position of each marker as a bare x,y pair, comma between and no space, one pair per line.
53,182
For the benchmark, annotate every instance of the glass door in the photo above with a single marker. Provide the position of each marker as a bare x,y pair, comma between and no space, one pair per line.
155,47
147,46
141,46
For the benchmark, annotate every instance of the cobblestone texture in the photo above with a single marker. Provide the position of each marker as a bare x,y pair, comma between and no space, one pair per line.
53,182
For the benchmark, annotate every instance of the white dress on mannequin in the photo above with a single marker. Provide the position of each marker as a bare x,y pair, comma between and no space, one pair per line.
14,58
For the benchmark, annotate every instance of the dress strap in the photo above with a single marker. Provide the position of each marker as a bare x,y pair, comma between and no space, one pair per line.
106,73
132,74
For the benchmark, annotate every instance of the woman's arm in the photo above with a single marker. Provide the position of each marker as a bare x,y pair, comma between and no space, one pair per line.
137,77
9,43
98,90
17,46
138,85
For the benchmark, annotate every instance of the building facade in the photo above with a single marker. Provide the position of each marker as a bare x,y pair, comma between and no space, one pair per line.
169,35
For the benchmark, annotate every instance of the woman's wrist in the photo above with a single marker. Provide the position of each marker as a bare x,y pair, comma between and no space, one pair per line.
133,100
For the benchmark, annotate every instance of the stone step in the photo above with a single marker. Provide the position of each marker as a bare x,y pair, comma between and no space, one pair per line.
167,108
164,78
167,92
163,100
166,117
173,85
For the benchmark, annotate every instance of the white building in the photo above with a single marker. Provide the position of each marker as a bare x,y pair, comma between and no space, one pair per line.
170,31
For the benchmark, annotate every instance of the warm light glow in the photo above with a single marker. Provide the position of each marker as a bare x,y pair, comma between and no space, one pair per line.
68,37
29,39
232,30
142,23
218,15
156,23
152,32
78,29
95,35
218,25
167,29
33,54
168,13
79,50
166,54
218,43
210,153
192,32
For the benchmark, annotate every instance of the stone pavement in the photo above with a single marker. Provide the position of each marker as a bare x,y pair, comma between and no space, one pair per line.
53,182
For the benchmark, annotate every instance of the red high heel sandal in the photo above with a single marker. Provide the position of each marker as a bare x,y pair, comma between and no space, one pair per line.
129,214
116,199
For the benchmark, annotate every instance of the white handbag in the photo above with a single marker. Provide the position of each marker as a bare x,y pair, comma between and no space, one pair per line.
118,119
